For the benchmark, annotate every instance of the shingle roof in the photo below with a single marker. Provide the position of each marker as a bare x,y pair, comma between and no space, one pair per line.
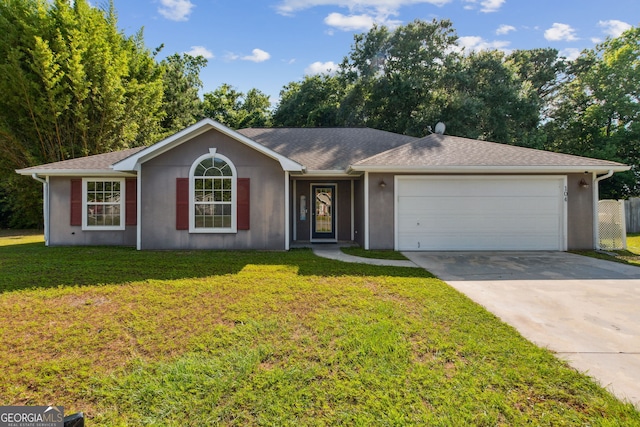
98,162
326,148
443,150
337,149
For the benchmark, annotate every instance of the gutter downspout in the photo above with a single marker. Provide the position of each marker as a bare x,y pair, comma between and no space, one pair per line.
45,201
596,196
366,211
287,210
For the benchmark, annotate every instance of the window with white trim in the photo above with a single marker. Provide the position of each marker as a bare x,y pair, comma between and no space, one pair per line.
212,186
103,204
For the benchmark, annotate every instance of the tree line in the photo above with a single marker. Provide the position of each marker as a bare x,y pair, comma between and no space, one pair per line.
408,79
73,84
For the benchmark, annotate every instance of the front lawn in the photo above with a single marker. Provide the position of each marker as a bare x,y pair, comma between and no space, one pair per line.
267,338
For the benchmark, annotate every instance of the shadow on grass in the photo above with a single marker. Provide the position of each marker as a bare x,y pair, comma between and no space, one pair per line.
32,265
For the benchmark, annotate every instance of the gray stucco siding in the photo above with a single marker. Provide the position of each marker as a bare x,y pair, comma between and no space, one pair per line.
61,233
358,211
580,213
381,211
158,197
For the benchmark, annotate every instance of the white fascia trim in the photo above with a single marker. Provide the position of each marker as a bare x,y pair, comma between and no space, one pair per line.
76,172
192,131
158,148
489,169
329,173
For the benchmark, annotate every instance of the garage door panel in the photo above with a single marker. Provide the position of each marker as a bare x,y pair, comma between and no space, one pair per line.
463,223
485,188
479,213
430,206
449,242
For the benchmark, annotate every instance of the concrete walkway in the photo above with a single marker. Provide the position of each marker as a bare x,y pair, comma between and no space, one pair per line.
332,251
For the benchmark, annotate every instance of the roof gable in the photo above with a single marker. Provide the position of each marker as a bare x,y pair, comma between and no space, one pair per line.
131,163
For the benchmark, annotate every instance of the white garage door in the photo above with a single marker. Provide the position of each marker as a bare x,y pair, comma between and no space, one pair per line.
480,213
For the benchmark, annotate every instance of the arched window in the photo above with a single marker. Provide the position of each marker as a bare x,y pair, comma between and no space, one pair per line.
213,198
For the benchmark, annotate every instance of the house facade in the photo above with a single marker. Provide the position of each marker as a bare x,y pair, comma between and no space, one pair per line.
210,187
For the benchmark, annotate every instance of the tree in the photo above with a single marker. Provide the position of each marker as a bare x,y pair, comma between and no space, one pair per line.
72,85
235,109
396,78
391,80
488,100
314,102
257,106
540,70
597,111
181,101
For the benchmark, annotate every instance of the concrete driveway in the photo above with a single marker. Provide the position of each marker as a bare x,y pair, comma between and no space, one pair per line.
585,310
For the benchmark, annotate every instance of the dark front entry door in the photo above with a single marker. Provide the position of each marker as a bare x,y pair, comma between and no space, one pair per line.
324,214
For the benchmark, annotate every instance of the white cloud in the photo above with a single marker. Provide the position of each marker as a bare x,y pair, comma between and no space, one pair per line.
363,14
505,29
570,53
318,67
349,23
486,6
230,56
474,43
200,51
257,55
289,7
489,6
176,10
560,32
358,22
613,27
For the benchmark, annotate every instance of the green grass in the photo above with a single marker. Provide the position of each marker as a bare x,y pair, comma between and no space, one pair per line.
629,256
633,242
268,338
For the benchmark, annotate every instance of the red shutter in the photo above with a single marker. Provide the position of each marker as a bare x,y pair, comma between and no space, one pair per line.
131,201
182,203
76,201
243,213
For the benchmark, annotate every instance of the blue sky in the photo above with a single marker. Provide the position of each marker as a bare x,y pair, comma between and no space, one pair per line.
266,44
